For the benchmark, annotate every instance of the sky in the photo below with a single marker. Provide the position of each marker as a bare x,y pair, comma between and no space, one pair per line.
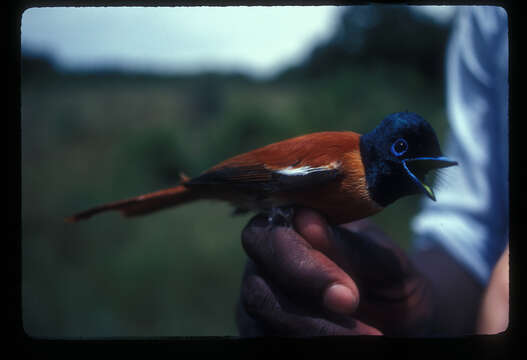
259,41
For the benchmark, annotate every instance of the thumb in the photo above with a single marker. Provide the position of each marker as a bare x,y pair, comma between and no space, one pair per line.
317,232
360,248
314,228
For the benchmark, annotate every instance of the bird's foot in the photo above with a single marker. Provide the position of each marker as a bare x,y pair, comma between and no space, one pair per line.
282,216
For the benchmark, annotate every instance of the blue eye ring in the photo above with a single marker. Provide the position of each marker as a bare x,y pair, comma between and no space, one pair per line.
399,147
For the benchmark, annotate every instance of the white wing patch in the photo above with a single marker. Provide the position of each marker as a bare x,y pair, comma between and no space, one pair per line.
306,170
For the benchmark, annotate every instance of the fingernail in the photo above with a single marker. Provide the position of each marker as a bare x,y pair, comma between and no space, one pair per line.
340,299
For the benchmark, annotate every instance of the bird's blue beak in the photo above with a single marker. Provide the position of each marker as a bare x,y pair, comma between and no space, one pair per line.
418,167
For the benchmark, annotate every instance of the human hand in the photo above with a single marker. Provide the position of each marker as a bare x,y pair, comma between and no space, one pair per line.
314,280
494,309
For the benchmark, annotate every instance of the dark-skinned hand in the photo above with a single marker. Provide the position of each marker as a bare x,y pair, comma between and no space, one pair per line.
313,280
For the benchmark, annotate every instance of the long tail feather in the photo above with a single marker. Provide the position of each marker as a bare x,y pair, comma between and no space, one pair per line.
143,204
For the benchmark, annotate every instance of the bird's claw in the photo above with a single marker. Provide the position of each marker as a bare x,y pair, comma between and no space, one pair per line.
282,216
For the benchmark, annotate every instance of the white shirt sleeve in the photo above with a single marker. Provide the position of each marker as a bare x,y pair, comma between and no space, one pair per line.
471,216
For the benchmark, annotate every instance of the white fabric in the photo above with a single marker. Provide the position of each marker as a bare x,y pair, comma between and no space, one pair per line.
471,216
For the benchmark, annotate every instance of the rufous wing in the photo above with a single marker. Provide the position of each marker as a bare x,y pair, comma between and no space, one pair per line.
289,165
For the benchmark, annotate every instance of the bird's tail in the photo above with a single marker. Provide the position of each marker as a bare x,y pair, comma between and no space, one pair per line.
143,204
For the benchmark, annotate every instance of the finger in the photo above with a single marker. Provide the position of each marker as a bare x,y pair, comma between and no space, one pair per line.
368,232
247,325
313,228
359,225
371,255
299,269
316,231
271,311
361,249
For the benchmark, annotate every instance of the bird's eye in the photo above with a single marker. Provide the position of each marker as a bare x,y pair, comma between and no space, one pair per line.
399,147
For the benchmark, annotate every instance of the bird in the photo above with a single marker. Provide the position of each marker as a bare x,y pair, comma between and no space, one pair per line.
344,175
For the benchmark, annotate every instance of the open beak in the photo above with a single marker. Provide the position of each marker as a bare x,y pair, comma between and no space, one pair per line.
417,168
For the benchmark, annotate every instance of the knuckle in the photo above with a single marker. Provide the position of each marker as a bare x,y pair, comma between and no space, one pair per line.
256,296
252,236
249,240
323,328
247,235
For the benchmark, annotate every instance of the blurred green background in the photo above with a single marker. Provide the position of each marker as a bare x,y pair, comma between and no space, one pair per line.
93,137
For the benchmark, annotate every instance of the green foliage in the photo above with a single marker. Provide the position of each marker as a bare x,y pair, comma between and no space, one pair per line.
92,138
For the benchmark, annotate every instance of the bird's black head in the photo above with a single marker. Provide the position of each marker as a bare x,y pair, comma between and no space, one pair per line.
397,155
